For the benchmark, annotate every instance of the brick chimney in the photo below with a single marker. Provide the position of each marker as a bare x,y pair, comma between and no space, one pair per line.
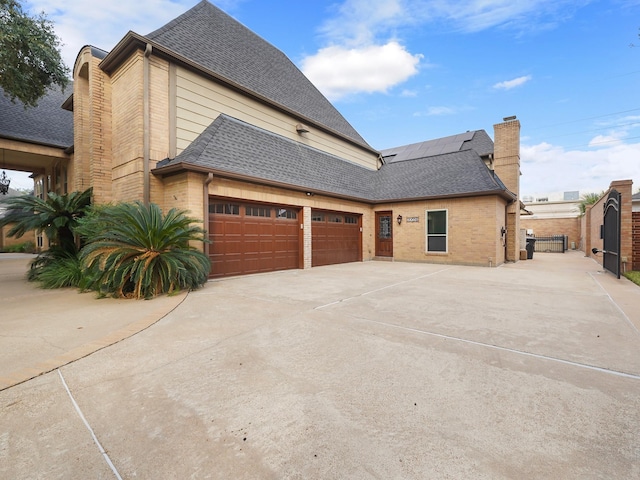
506,164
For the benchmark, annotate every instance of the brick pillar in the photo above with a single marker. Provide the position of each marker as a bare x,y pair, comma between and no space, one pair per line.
306,234
506,164
92,128
625,188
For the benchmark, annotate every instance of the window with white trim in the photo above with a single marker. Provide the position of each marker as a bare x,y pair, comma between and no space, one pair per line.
437,224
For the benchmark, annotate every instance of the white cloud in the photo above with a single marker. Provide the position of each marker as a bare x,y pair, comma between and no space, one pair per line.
338,71
549,168
478,15
358,22
103,24
509,84
436,111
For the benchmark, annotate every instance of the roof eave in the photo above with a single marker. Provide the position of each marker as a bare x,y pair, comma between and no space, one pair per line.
129,43
176,168
485,193
64,148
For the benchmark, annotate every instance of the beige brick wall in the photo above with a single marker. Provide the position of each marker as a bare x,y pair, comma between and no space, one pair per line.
128,170
92,128
473,231
543,227
185,191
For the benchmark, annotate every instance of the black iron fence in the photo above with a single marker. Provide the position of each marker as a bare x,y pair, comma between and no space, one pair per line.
553,244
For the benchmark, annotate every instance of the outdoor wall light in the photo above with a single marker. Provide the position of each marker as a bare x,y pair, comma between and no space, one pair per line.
399,219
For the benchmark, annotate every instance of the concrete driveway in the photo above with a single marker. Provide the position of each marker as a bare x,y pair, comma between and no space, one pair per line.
367,370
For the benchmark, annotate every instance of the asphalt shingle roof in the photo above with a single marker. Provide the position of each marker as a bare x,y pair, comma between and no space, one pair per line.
477,140
457,173
238,148
47,124
217,42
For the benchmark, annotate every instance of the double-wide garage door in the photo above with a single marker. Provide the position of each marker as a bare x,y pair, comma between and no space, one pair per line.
250,238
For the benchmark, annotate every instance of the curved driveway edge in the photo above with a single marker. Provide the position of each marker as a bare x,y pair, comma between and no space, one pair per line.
41,330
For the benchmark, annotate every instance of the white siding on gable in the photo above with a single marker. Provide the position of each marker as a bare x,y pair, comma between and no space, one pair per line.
199,101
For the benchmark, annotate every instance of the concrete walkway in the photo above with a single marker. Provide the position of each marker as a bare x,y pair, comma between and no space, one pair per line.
366,370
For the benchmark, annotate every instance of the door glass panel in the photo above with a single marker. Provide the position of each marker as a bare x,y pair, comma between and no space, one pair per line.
384,227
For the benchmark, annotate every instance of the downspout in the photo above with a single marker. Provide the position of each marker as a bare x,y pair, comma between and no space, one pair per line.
146,114
205,192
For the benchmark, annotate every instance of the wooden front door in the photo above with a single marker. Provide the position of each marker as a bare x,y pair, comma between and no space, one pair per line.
384,234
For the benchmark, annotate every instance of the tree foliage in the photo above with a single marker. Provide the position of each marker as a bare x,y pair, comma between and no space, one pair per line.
589,199
30,59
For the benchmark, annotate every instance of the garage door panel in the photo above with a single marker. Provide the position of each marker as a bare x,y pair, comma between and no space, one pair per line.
252,239
336,238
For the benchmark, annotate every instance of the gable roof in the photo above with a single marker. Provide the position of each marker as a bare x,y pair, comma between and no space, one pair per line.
230,147
216,42
635,196
46,124
477,140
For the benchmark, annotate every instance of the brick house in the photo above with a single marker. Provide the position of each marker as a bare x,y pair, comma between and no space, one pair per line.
204,115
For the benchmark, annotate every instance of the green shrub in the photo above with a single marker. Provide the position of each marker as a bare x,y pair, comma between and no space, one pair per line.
56,268
24,247
134,251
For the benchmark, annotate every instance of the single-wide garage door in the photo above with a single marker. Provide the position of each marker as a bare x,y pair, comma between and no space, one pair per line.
247,238
335,238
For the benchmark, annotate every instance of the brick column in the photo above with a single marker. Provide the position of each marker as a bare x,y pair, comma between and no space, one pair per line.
306,234
506,164
625,188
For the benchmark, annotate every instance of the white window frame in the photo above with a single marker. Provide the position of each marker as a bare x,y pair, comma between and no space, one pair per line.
445,235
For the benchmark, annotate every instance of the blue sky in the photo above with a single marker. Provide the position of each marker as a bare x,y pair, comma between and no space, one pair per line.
405,71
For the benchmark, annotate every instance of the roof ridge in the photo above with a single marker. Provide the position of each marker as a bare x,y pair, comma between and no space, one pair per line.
215,42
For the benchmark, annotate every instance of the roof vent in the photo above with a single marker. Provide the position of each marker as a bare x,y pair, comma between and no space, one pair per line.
302,128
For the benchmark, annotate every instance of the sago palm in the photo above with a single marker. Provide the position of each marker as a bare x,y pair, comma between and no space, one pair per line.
57,216
136,251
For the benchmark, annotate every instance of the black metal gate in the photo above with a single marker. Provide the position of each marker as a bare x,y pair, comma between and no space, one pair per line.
611,233
552,243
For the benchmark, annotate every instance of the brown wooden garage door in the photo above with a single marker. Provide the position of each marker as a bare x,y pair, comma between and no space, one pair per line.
248,238
335,238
